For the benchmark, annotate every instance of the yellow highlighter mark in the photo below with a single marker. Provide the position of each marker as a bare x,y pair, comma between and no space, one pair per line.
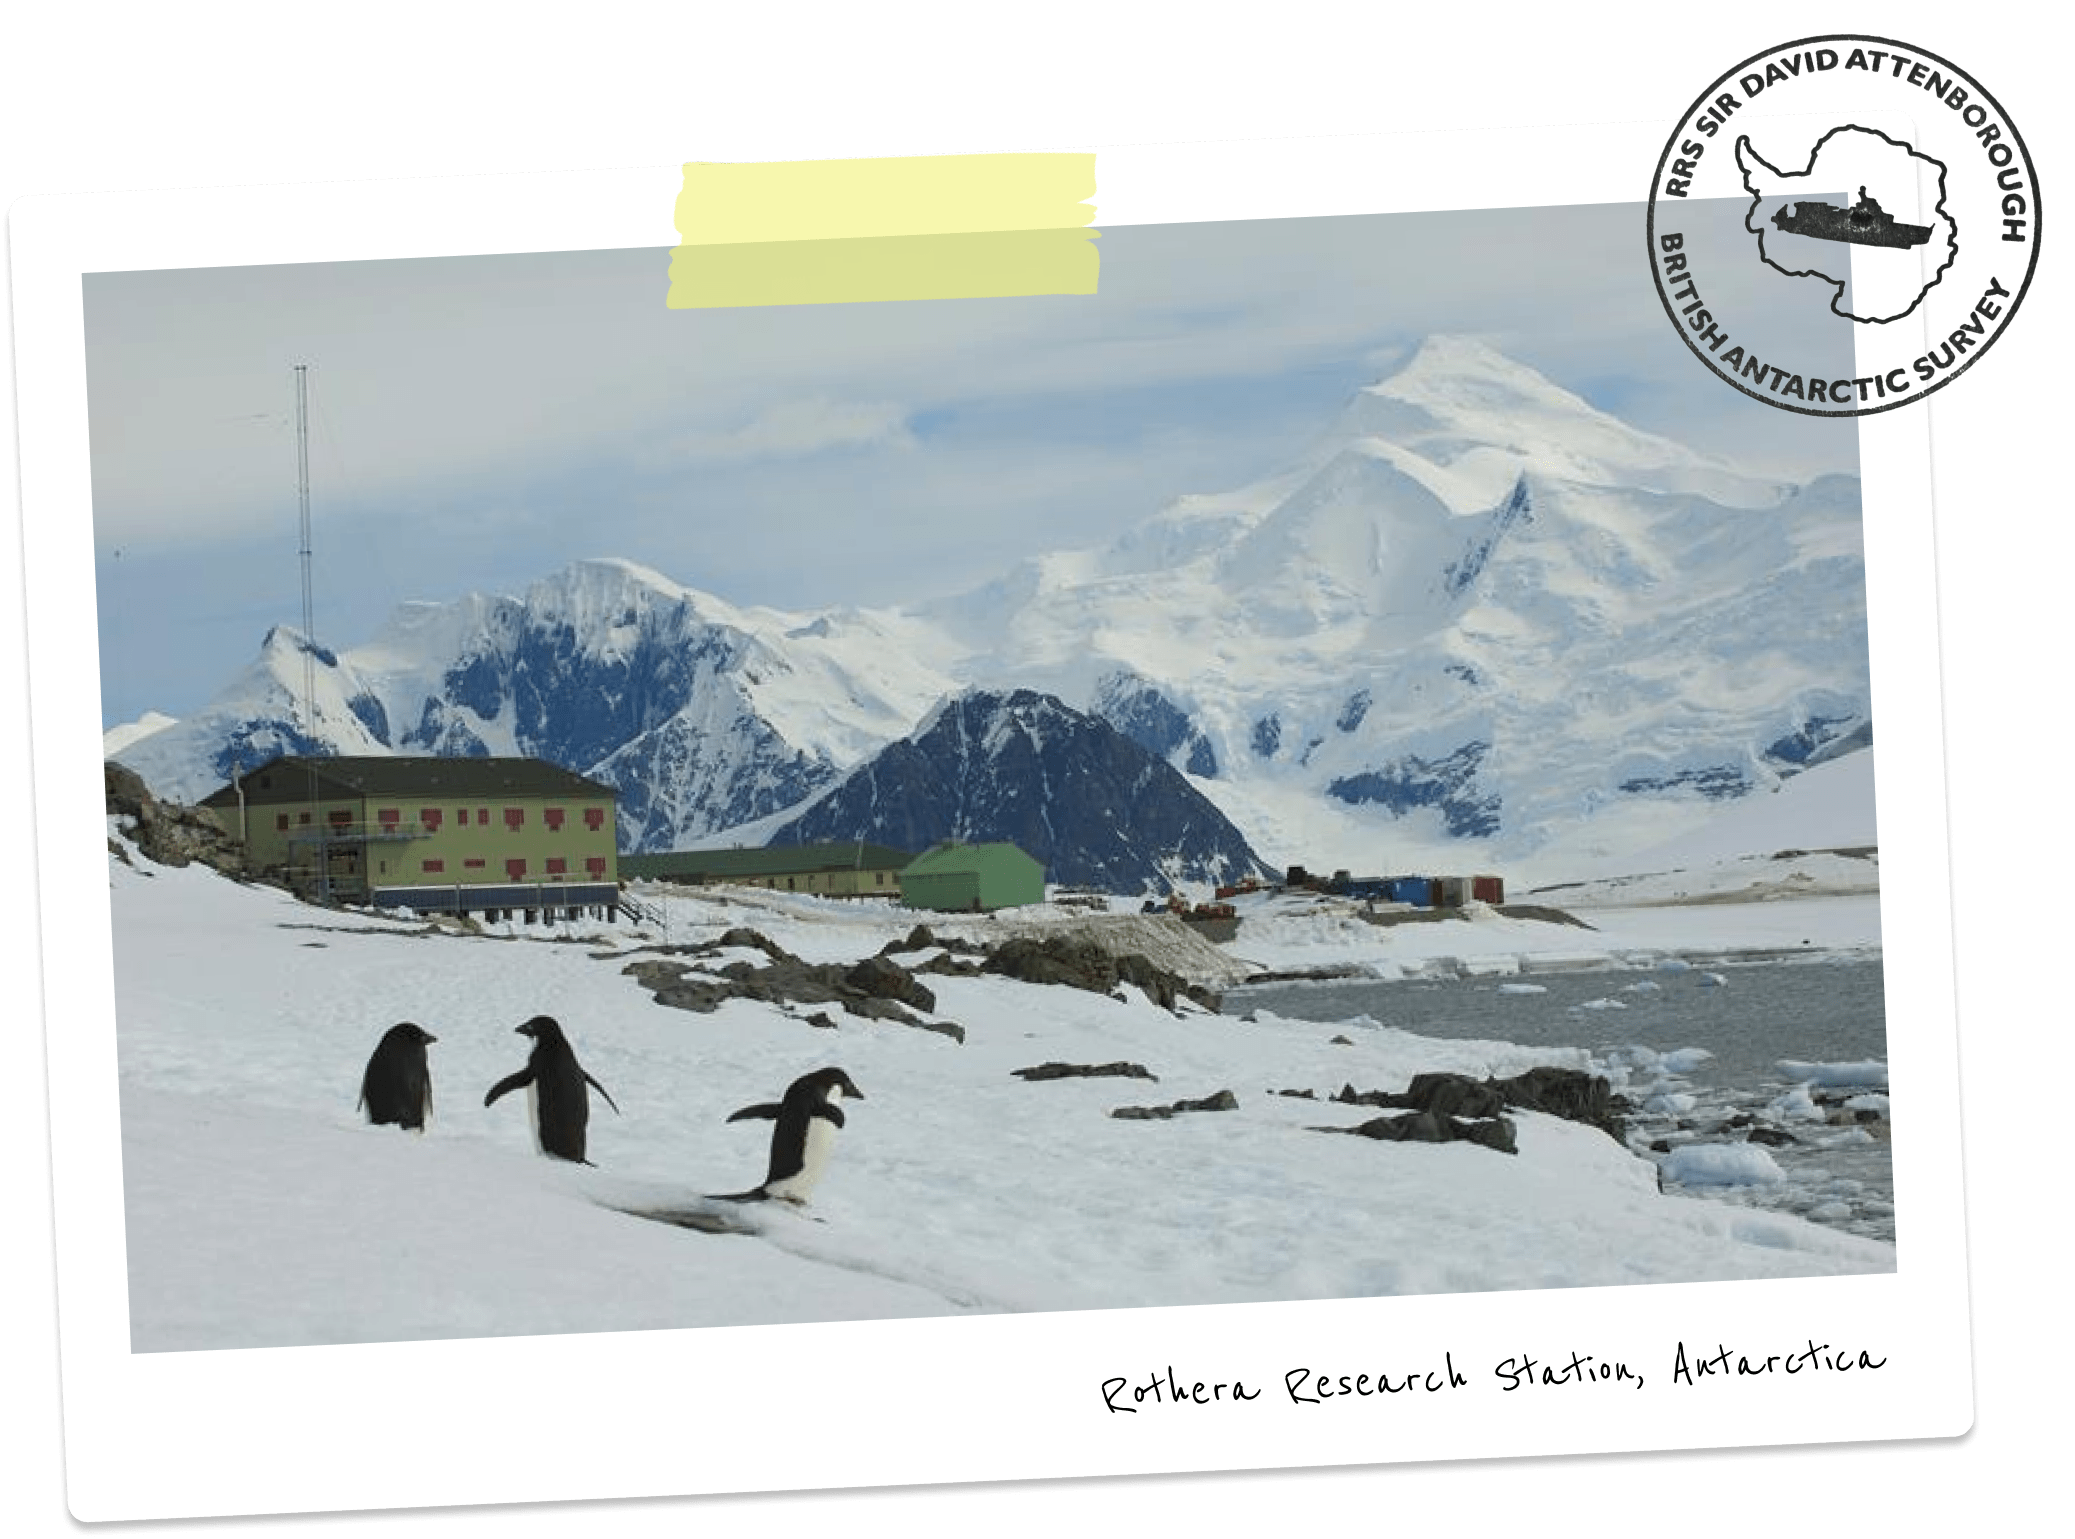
819,232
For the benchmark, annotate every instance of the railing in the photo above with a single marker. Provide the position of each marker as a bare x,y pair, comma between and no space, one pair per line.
459,899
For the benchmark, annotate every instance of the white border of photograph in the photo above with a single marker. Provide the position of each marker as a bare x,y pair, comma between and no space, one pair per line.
979,1399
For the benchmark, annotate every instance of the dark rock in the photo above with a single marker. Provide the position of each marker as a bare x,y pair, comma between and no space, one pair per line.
1771,1137
1570,1094
1079,963
166,832
1118,1070
882,978
1428,1127
1224,1100
876,989
741,935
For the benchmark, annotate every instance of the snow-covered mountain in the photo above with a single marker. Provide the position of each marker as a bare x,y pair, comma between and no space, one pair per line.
1480,611
704,715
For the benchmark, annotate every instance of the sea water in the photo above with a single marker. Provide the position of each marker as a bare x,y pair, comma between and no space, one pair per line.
1758,1023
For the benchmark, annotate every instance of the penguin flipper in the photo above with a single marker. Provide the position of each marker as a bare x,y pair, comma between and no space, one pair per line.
768,1110
510,1082
832,1113
609,1101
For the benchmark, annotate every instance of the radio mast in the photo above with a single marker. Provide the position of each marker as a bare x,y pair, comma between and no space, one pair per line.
302,498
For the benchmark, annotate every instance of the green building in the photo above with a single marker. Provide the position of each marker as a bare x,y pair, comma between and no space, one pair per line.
854,870
438,835
972,878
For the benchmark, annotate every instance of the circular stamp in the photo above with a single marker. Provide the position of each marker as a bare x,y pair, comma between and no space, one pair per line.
1842,225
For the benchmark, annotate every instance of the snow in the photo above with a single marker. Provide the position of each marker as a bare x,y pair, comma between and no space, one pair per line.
260,1212
116,739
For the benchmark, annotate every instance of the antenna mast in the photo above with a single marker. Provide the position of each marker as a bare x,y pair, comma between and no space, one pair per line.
302,498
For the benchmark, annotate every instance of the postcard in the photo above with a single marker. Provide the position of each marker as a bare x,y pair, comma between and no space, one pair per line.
1138,810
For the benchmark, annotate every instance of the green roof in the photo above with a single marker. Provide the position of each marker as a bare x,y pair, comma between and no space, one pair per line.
778,860
287,779
962,857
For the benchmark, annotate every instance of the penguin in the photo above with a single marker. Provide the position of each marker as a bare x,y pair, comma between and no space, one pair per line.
558,1103
806,1120
397,1086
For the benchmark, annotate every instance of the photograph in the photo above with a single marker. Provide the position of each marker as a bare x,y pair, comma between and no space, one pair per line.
1094,752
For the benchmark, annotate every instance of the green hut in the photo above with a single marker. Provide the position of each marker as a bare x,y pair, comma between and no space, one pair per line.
972,878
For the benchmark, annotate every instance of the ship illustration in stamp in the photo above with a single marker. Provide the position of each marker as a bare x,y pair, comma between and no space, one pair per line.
1865,223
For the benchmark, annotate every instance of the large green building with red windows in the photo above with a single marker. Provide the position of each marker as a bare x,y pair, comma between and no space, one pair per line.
436,835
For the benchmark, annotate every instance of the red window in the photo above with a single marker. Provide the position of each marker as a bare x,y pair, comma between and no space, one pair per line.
595,865
483,816
388,817
435,865
516,868
281,820
339,817
429,816
514,817
594,818
552,816
303,818
472,863
464,817
557,865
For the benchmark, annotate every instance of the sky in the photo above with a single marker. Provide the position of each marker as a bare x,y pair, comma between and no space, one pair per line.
478,423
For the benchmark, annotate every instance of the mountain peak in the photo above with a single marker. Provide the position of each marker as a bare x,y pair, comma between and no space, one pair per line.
1463,381
1460,403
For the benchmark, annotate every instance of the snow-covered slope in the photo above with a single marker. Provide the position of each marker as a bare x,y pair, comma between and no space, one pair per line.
292,1222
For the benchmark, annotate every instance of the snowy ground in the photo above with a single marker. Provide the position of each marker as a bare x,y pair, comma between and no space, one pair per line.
260,1211
988,1260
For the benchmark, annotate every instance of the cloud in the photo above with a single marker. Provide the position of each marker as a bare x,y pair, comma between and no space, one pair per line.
799,429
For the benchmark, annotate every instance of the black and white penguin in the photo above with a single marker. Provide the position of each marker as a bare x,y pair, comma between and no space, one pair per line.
805,1134
556,1098
397,1086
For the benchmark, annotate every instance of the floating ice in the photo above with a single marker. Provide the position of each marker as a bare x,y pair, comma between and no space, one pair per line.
1829,1075
1721,1165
